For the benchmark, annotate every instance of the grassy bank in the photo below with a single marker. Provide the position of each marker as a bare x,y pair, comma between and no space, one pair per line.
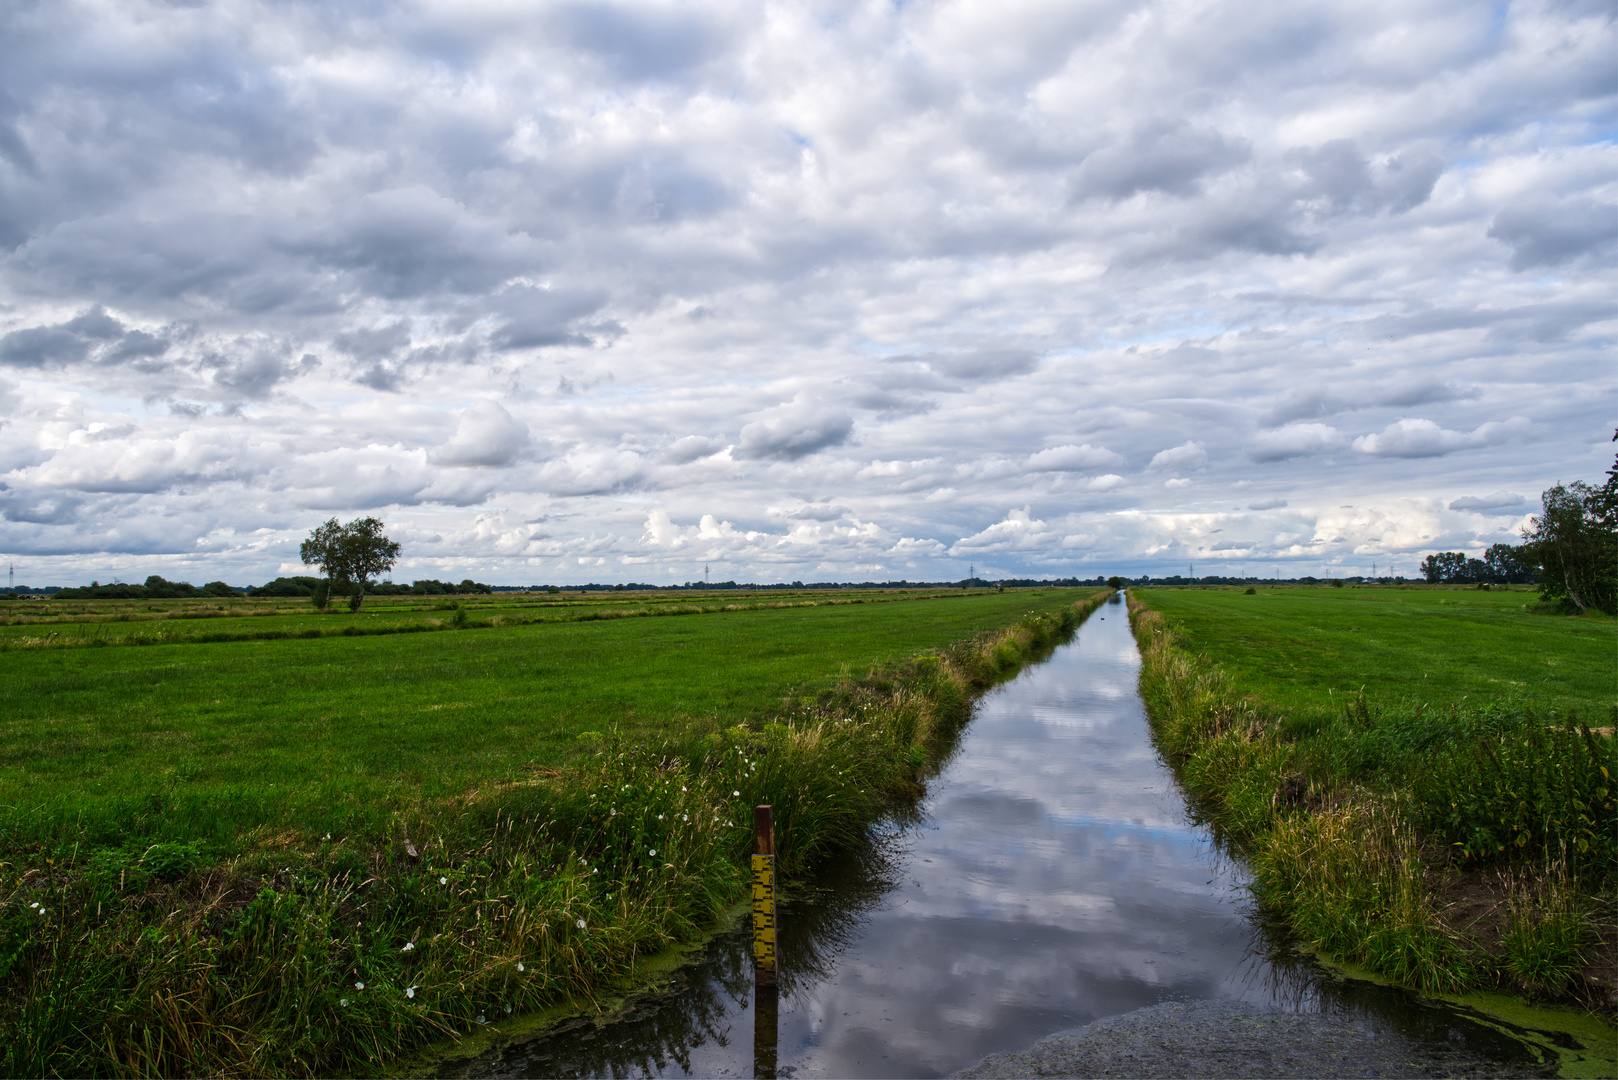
330,870
1422,785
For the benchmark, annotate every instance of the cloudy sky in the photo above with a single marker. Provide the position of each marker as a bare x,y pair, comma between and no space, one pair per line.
802,290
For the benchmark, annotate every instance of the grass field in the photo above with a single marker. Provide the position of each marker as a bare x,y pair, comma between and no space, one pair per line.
319,733
1403,771
37,624
1308,647
288,855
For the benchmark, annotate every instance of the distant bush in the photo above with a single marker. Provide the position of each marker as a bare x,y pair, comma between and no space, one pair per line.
287,587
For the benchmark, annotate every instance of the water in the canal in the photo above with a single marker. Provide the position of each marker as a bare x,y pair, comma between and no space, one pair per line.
1051,877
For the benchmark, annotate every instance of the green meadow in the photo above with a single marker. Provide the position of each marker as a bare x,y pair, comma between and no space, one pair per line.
257,852
314,732
1421,779
1310,646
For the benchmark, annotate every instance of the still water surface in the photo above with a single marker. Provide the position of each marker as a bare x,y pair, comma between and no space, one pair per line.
1051,877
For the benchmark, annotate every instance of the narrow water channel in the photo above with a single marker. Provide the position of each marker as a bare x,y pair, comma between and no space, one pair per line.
1051,877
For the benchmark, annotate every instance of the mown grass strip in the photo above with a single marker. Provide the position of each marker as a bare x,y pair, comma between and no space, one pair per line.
1473,847
312,954
109,626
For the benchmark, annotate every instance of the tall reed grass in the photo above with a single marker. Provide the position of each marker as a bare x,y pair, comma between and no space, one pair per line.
336,954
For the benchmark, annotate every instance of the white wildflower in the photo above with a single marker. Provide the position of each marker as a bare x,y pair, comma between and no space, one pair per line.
653,853
409,946
410,991
579,923
481,1019
343,1002
359,986
443,881
520,967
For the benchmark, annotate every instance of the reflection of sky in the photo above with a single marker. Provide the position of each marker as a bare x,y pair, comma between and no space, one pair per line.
1056,880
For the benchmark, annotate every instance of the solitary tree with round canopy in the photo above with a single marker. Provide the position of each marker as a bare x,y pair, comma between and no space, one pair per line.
352,555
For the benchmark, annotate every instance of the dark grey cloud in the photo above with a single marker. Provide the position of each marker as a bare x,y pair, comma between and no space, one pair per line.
40,508
257,373
95,324
1547,232
414,241
137,345
641,43
1339,172
1500,501
1169,156
37,346
668,191
1294,440
536,317
794,431
1422,391
69,342
817,512
374,343
692,447
976,365
1304,403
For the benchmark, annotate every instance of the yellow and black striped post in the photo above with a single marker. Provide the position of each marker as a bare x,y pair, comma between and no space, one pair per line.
763,896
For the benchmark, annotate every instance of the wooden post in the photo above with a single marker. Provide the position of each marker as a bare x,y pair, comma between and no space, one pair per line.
763,896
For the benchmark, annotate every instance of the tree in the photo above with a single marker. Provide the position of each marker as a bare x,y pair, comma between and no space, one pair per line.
1576,545
1444,566
350,556
1115,582
324,548
1508,565
367,554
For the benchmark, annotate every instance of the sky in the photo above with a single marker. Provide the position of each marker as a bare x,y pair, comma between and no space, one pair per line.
569,292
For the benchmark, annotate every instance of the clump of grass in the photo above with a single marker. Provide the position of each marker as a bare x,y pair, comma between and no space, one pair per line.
1352,881
1548,929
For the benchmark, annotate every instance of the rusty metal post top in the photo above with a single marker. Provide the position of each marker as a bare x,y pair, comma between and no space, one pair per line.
763,830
